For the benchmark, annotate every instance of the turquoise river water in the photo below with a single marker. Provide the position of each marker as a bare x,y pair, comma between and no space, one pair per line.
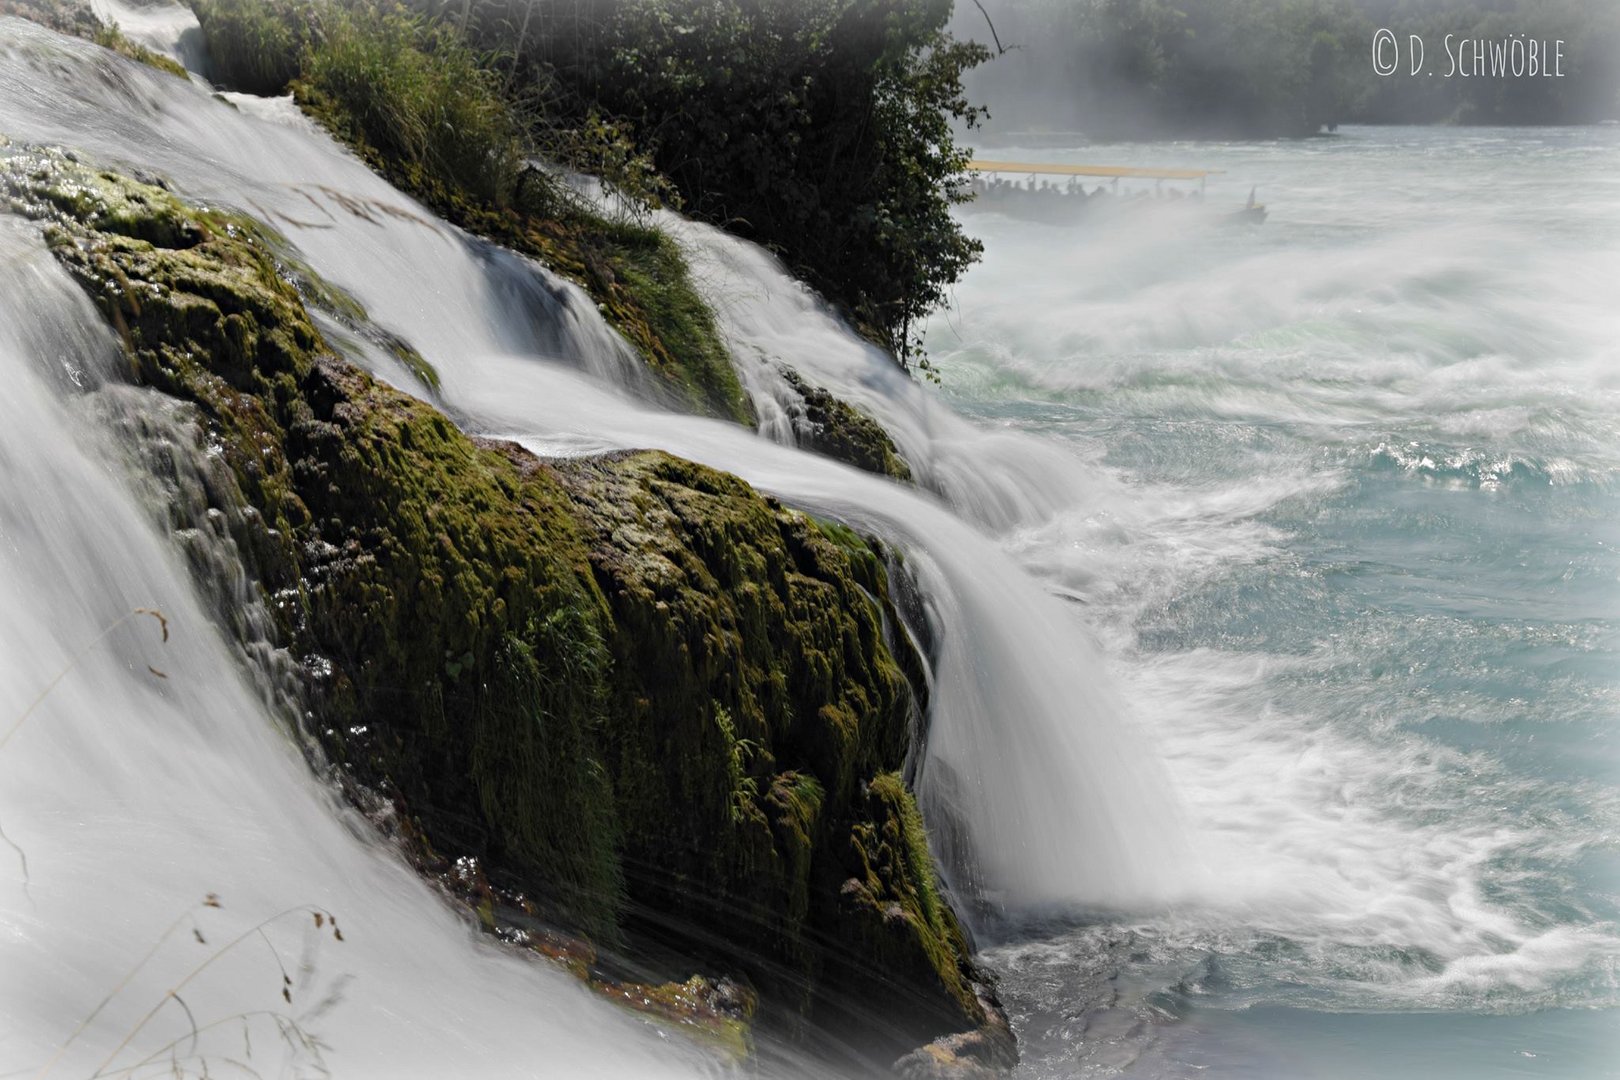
1354,563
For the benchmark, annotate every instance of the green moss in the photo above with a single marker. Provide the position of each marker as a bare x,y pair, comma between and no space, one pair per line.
714,1012
111,37
626,678
541,787
840,431
678,334
739,621
897,919
411,98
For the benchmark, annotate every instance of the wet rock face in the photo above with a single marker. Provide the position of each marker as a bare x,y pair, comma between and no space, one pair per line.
664,706
833,427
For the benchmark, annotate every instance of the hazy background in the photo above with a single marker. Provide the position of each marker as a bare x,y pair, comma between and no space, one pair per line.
1116,69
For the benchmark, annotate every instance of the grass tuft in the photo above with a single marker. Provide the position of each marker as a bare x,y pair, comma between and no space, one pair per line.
255,47
418,95
431,114
111,37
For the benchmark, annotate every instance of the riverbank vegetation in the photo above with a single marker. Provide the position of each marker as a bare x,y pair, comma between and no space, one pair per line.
481,138
819,128
1252,68
410,96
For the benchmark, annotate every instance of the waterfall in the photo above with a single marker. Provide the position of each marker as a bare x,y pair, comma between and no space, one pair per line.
995,480
134,795
161,790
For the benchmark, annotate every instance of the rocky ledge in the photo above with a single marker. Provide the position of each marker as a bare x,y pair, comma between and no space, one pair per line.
665,709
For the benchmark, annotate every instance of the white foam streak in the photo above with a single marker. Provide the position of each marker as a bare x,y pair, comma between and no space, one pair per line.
1032,772
135,795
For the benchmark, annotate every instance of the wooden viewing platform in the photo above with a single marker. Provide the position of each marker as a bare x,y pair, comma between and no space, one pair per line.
1113,172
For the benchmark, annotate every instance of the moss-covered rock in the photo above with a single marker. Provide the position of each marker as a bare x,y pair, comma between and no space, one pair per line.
662,704
755,691
109,36
76,17
420,107
831,426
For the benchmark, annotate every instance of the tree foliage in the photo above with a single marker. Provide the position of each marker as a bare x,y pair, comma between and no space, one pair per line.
821,128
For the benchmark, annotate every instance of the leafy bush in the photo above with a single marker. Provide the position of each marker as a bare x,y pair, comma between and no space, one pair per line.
419,95
821,128
254,45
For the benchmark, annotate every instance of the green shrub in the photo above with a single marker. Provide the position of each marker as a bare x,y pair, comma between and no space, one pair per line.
254,45
421,97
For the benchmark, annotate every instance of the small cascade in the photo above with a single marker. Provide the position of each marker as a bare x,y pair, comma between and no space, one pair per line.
1022,723
150,774
776,325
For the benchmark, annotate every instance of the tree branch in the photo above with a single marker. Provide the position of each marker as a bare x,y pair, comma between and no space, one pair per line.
1001,50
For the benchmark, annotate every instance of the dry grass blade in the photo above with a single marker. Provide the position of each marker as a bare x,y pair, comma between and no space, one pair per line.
163,620
116,990
174,991
163,623
73,661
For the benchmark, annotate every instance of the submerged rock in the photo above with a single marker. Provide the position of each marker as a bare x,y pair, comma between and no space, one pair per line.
982,1054
664,706
831,426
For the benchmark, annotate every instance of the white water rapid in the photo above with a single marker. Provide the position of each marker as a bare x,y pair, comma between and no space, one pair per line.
1271,579
135,796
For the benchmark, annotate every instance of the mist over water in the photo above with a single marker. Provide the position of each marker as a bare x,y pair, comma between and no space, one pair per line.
1270,576
1353,559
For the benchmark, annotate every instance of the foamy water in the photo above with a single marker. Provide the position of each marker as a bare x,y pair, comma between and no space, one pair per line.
1047,796
1273,576
1357,573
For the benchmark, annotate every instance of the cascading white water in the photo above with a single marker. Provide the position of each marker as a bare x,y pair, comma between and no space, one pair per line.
1188,437
1353,555
1022,709
1232,396
1042,796
993,479
135,795
167,29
